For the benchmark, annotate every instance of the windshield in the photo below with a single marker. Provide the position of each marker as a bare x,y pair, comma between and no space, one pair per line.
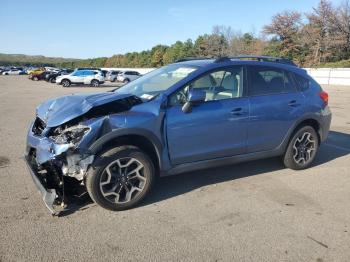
157,81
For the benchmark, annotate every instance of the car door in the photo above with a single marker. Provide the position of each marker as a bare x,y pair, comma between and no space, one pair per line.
214,128
88,76
77,77
275,105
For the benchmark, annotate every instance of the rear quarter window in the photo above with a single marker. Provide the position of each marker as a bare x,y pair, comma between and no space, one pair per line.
302,82
265,80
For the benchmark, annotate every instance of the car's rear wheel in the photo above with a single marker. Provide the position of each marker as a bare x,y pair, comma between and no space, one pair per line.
35,78
95,83
53,80
126,80
66,83
120,178
302,148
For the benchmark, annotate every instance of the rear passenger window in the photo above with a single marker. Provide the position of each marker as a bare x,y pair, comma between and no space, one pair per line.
269,80
302,82
289,83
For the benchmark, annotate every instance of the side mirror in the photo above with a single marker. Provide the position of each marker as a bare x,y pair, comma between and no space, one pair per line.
194,97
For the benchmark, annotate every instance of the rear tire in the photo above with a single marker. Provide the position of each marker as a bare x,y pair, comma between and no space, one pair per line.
35,78
53,80
66,83
95,83
126,81
117,172
302,149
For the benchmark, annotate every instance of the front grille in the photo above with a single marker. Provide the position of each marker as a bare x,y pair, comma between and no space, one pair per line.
38,126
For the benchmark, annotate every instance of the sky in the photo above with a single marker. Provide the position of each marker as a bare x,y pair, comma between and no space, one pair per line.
88,29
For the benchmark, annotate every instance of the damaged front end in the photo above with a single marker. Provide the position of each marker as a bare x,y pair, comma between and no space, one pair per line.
56,163
57,151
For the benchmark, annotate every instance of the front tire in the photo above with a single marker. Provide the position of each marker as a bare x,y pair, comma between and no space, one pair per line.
66,83
120,178
53,80
35,78
302,149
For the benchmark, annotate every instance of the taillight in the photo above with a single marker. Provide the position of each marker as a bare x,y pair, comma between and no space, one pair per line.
324,96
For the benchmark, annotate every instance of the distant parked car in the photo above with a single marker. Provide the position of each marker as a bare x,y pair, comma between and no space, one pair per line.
36,71
3,69
86,77
128,76
52,76
104,72
14,71
39,76
51,69
112,75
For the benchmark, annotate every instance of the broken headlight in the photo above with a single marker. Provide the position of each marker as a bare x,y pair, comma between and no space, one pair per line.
70,135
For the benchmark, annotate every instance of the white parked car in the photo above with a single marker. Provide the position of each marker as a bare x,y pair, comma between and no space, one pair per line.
128,76
85,77
13,71
112,75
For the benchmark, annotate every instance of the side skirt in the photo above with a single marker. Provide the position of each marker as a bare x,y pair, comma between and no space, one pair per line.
187,167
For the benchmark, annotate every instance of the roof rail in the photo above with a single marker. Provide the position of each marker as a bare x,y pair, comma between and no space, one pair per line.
242,57
191,58
257,58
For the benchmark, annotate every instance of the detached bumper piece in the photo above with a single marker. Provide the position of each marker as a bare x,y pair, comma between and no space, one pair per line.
51,197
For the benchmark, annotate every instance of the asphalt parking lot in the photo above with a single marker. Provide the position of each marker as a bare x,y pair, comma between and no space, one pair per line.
256,211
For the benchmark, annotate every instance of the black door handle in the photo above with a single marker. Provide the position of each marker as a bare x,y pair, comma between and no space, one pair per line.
293,103
237,111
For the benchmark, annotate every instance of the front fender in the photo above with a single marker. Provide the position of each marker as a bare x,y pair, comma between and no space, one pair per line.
97,145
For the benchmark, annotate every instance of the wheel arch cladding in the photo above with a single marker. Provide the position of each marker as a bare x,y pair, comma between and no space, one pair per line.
309,122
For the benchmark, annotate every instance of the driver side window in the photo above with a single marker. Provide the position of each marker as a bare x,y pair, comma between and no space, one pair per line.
221,84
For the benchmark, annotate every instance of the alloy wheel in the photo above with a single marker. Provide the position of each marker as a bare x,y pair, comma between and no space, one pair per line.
122,180
304,148
94,83
65,83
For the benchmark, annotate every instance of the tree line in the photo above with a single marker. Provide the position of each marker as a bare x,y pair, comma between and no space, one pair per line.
320,37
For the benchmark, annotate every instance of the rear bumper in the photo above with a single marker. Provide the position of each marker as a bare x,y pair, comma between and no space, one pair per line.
49,196
325,123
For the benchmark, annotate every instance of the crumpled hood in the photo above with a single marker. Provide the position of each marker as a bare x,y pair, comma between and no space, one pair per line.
57,111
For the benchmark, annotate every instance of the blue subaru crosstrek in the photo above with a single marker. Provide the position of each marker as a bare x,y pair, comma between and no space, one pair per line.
189,115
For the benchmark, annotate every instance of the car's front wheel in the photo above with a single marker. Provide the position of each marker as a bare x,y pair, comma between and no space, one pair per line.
35,78
302,149
53,80
66,83
120,178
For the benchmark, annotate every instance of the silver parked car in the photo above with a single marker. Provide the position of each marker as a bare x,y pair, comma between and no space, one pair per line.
112,75
128,76
13,71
